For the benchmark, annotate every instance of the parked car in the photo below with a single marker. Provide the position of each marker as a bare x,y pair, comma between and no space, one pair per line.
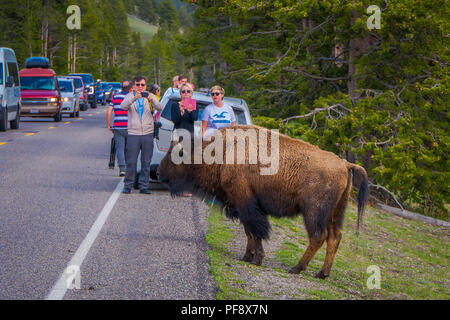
103,92
115,88
90,87
10,103
69,97
81,90
172,97
39,90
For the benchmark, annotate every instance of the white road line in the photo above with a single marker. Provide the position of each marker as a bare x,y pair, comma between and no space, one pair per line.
65,281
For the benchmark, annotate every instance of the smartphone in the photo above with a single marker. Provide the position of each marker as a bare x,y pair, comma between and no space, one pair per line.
190,102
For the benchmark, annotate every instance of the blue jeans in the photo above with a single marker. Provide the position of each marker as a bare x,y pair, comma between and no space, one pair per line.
144,144
120,136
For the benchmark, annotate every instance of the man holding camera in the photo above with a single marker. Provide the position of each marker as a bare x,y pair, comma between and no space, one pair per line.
140,133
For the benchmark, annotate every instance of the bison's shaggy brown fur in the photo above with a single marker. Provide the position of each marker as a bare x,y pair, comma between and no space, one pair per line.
310,182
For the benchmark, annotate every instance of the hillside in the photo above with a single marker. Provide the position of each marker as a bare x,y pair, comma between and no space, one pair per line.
146,30
413,258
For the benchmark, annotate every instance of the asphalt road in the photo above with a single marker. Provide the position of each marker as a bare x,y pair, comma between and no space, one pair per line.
55,184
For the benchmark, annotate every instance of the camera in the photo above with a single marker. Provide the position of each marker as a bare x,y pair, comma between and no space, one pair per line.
144,94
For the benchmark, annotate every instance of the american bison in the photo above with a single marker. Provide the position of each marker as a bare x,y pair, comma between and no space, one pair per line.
308,181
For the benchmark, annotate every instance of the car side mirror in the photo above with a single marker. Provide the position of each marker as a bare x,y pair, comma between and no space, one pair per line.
10,82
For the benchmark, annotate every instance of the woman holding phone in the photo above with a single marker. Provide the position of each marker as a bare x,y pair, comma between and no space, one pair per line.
185,113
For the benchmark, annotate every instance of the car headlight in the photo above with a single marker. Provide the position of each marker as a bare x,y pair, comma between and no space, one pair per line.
67,99
53,99
1,100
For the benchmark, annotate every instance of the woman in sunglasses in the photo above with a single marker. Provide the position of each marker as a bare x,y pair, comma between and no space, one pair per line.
185,113
217,115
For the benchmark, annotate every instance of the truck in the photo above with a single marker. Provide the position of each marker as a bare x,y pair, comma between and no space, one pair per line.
40,93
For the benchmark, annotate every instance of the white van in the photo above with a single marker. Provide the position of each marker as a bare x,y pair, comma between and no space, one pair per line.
9,90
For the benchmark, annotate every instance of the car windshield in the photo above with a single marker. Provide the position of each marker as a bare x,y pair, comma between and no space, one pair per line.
78,83
37,83
116,85
105,86
87,78
1,73
65,86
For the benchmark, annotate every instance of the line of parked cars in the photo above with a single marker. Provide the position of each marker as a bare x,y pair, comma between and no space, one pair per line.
37,91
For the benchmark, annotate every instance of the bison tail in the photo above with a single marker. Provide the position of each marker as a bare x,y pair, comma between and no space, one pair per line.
360,181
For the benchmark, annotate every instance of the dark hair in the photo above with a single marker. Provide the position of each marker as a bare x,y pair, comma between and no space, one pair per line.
181,77
153,88
139,78
127,85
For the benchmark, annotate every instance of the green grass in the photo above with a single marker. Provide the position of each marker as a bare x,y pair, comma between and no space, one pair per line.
413,258
146,30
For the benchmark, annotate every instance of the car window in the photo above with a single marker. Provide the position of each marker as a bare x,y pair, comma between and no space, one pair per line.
1,73
37,83
239,114
65,86
78,83
167,112
12,71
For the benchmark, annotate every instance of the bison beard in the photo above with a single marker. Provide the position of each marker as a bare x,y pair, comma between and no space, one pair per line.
309,181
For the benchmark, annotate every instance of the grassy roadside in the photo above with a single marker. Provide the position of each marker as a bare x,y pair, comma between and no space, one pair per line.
413,259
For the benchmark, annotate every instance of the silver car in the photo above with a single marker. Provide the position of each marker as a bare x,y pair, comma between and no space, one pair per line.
172,96
70,97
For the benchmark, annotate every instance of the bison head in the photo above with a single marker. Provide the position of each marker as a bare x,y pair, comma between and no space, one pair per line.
175,174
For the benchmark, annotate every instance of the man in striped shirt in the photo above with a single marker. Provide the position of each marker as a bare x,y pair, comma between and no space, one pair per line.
120,127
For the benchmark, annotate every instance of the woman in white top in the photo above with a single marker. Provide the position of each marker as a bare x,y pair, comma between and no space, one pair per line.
216,115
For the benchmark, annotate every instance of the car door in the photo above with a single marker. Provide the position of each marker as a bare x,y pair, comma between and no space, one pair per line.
167,125
13,93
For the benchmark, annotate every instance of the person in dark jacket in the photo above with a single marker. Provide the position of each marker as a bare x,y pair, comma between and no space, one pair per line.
184,117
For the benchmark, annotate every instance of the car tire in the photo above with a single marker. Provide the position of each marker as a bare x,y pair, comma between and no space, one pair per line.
14,124
3,120
94,104
58,117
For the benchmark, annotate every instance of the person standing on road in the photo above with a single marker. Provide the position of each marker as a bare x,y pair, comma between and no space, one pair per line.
120,127
217,115
140,133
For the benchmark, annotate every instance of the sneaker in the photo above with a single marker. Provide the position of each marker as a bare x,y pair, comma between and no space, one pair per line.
145,191
126,190
122,173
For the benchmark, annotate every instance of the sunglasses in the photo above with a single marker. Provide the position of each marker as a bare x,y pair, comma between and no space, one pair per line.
140,84
186,91
215,94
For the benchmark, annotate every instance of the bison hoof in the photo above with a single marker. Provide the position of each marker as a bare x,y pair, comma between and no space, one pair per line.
322,275
297,269
247,258
257,261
